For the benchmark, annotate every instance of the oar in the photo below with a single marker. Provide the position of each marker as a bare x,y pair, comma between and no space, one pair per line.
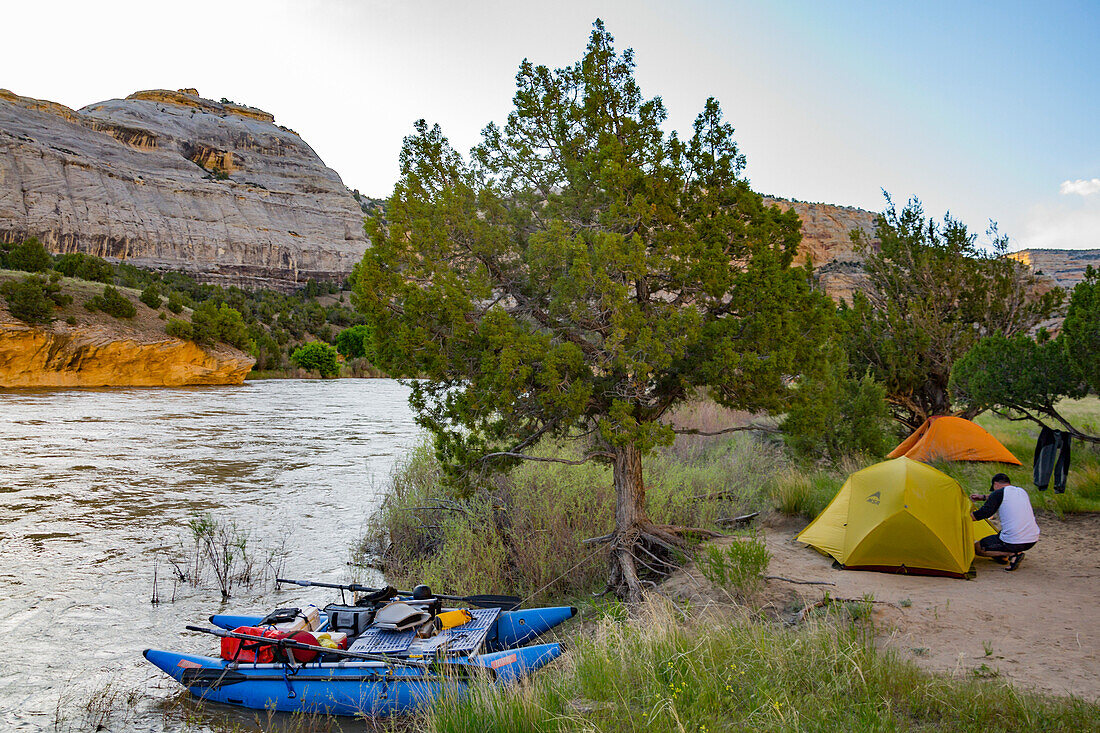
440,666
507,603
290,643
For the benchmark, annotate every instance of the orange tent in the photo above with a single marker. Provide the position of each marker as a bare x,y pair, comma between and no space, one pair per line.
946,438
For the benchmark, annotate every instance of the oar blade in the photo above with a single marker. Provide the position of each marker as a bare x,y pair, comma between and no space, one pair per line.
506,603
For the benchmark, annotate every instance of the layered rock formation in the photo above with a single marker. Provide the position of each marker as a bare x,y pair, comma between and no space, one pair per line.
1065,266
827,243
170,180
96,357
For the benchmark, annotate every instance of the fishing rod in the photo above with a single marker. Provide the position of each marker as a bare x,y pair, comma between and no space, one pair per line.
507,603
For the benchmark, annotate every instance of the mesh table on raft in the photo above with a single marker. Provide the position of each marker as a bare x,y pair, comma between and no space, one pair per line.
464,639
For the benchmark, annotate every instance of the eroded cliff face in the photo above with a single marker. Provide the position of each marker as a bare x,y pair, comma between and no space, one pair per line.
97,357
1066,267
170,180
827,244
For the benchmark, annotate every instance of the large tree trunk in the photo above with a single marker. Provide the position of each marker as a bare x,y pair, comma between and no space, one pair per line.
639,548
630,519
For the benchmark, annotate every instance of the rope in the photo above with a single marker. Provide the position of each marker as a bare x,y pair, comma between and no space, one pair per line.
555,580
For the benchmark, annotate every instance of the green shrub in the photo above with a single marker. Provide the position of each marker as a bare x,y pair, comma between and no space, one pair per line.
32,299
356,342
29,256
318,357
739,566
85,267
835,414
212,322
113,303
151,297
175,304
180,329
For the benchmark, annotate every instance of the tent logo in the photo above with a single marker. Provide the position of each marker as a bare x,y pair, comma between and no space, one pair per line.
874,498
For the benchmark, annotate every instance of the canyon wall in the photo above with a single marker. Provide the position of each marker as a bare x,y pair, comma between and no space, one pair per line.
1065,266
169,180
827,243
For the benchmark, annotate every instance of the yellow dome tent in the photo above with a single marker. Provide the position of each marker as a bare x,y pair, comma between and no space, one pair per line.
948,438
899,516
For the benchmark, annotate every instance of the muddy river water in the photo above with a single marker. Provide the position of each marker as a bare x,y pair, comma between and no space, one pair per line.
97,487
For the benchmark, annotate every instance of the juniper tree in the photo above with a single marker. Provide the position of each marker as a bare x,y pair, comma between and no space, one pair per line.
581,274
1026,378
932,293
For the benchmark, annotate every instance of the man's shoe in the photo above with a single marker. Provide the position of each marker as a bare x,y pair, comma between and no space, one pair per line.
1014,561
1000,560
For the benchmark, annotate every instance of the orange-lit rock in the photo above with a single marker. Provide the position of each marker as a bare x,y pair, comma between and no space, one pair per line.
63,356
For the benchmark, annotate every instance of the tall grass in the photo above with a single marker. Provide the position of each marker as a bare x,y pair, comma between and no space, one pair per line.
525,532
722,672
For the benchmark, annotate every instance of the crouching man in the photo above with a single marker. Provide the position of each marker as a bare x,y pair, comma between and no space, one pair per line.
1019,532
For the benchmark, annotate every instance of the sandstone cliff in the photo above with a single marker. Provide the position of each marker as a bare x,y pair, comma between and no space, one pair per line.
1065,266
170,180
63,357
84,349
827,243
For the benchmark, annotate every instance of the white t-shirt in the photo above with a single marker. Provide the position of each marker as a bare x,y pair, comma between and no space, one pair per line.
1018,525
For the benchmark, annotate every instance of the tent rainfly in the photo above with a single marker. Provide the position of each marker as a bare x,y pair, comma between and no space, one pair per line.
899,516
947,438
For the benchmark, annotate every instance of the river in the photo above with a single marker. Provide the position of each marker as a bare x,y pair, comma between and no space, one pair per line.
97,487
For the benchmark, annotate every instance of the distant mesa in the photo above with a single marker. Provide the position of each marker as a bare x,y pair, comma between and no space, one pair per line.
169,180
1065,266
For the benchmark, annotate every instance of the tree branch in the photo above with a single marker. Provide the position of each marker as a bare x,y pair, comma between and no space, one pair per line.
694,431
566,461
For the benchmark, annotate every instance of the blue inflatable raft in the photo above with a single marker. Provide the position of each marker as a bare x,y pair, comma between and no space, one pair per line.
395,672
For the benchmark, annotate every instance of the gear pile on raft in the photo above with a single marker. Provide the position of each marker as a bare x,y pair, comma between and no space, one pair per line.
389,652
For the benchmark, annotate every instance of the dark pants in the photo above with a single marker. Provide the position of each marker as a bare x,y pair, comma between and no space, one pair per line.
993,543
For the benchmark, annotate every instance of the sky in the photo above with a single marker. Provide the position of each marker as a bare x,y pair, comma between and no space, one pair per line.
987,110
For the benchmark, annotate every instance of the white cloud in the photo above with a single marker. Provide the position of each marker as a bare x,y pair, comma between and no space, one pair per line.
1081,187
1062,225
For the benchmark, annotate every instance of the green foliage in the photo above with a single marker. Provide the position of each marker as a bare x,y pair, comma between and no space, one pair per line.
150,296
286,319
933,293
1081,329
835,414
356,342
576,275
1032,376
180,329
267,352
113,303
85,267
29,256
32,298
316,357
738,566
1018,372
211,323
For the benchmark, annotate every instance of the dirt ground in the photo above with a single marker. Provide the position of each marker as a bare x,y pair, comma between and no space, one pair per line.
1038,626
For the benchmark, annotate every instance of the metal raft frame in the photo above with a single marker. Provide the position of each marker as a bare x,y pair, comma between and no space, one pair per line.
464,639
